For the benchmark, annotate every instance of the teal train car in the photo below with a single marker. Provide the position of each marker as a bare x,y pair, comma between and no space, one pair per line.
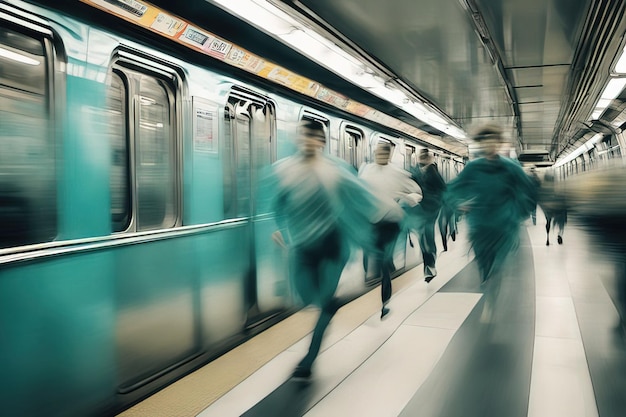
135,232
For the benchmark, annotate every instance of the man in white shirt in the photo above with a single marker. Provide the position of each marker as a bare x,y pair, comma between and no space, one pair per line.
393,188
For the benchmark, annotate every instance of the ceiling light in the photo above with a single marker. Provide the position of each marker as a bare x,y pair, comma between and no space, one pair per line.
613,88
620,67
580,150
325,52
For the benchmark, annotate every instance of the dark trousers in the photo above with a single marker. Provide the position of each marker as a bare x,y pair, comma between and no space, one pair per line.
386,236
447,225
316,272
426,234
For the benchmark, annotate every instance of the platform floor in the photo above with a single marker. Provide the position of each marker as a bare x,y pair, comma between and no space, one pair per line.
552,345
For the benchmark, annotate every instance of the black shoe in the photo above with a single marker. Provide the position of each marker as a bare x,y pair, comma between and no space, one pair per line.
430,272
559,240
384,312
301,373
453,236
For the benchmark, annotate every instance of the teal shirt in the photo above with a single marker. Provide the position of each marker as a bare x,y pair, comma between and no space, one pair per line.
315,197
496,193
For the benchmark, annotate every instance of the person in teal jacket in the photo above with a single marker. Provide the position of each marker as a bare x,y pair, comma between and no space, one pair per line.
322,211
496,196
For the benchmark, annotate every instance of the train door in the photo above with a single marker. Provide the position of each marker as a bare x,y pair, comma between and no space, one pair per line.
157,324
412,252
353,145
28,190
409,157
251,149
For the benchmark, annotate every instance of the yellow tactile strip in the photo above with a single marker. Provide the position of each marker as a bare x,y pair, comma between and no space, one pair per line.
190,395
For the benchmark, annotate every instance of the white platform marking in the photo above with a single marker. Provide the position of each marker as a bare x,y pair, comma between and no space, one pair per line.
560,383
343,353
384,384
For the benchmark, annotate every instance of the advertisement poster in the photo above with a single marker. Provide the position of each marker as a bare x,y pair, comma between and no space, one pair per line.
205,123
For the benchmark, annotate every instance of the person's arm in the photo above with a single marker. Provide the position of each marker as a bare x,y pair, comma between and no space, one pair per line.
411,190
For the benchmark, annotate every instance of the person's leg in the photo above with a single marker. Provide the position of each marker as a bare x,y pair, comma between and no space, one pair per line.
443,228
327,312
429,247
388,234
560,225
454,219
326,264
491,246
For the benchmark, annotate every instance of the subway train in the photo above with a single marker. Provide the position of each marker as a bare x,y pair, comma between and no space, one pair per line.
135,232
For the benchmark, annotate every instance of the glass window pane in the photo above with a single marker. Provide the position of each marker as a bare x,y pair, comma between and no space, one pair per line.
155,163
228,163
360,151
262,123
22,62
243,139
27,160
120,178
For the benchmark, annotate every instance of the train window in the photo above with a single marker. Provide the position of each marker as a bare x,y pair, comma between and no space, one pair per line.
353,146
409,157
120,176
155,166
248,147
144,184
27,160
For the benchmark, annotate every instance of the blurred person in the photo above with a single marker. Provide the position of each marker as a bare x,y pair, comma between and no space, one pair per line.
447,221
322,209
394,189
425,215
496,196
554,206
537,183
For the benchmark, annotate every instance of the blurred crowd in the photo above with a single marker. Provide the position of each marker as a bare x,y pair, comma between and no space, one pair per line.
325,209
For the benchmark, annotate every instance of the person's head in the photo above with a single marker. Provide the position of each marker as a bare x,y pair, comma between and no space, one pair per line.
382,153
425,157
489,139
312,137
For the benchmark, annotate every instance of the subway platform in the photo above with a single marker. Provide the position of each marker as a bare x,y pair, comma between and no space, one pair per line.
551,346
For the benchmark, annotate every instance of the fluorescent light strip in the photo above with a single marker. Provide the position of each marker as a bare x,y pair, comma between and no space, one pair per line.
14,56
611,91
620,67
580,150
613,88
272,20
207,43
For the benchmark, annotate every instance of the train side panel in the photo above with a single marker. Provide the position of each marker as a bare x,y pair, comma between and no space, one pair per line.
160,253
